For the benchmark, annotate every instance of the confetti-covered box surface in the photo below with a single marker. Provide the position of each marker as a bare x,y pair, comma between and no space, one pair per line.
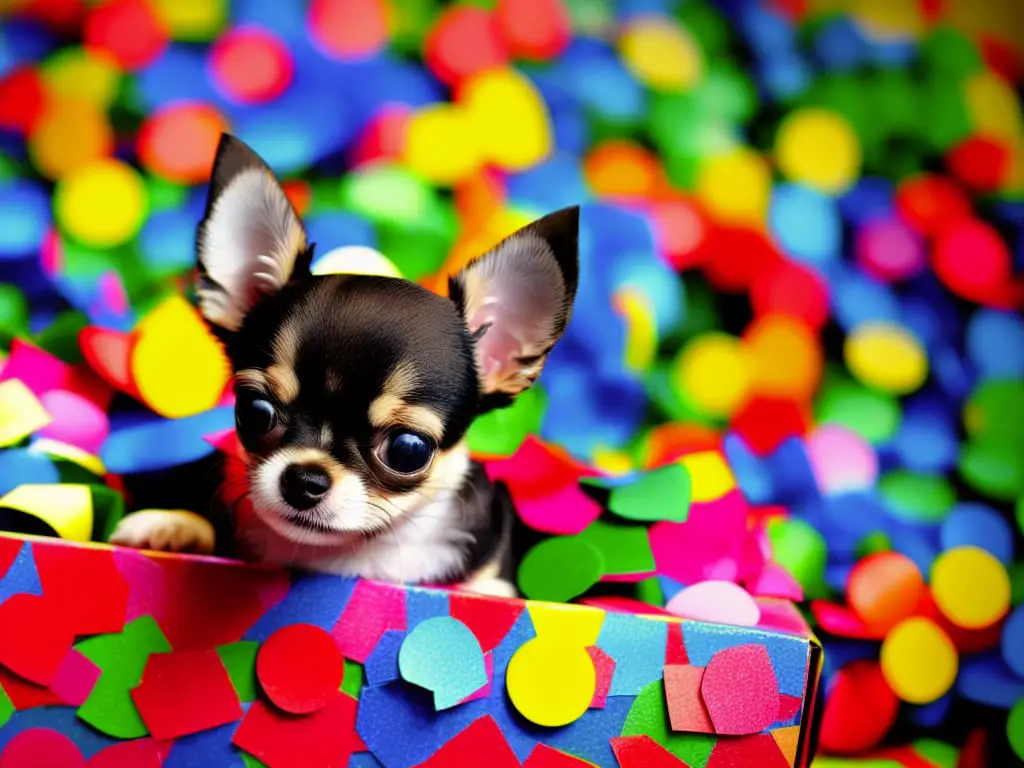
123,659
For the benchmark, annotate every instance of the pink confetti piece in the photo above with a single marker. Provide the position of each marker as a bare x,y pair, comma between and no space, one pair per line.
566,511
76,421
41,372
75,678
776,581
604,666
51,255
372,610
841,621
740,690
137,753
147,583
686,710
37,747
112,295
716,602
781,616
707,545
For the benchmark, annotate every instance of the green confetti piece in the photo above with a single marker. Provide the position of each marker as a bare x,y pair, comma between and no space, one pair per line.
502,431
727,92
410,27
6,707
945,118
1015,728
559,569
165,195
993,466
352,682
801,549
416,252
996,410
661,494
916,497
667,397
624,548
894,101
649,591
872,544
873,415
251,762
591,17
649,717
1016,572
8,168
60,338
239,659
939,753
1020,514
107,508
707,26
14,313
389,195
950,53
122,658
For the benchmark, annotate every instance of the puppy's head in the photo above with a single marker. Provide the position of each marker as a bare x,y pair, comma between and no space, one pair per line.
354,392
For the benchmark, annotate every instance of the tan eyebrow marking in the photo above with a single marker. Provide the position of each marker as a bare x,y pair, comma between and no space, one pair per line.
391,409
284,383
252,377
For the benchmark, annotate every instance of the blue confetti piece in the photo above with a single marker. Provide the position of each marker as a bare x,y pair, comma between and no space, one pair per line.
364,760
629,9
995,344
443,656
638,648
934,714
1012,641
670,587
584,414
22,577
858,512
587,738
986,679
652,276
840,46
21,466
869,198
556,183
333,229
570,127
972,524
769,33
917,542
287,20
792,478
858,298
423,604
784,77
179,73
28,40
927,438
951,374
382,665
314,598
168,242
206,748
24,217
788,653
837,575
593,73
163,443
61,719
806,224
752,475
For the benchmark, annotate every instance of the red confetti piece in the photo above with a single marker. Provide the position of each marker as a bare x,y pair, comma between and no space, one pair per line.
537,469
383,138
544,756
971,259
300,668
975,752
138,753
465,40
481,737
130,30
686,710
534,29
179,141
349,29
42,372
790,288
251,64
930,203
740,690
735,258
372,610
980,162
22,100
185,692
884,589
41,748
746,751
765,422
643,752
680,227
789,706
326,737
840,621
9,549
26,695
67,573
675,648
1002,56
860,709
488,620
108,353
604,667
34,637
75,679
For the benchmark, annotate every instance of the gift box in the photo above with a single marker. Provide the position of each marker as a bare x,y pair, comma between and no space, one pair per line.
115,657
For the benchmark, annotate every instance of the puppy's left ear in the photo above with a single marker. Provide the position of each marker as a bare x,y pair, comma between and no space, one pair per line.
517,299
250,243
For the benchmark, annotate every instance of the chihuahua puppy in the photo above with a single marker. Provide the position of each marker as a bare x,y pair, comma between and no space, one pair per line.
354,392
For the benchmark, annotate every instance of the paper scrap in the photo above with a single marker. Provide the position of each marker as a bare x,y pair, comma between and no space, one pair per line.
776,581
108,353
67,573
648,716
710,475
485,690
740,690
239,659
787,739
138,753
67,508
625,549
75,678
22,465
559,569
34,637
686,710
382,666
544,756
660,494
75,420
300,668
41,747
604,668
755,749
576,625
371,611
185,692
551,682
638,648
643,752
707,545
479,738
21,413
490,620
443,656
716,602
566,511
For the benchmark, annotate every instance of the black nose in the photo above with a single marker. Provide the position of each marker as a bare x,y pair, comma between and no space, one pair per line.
303,485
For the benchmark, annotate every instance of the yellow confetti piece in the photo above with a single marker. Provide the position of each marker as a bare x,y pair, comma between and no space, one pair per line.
574,624
177,364
550,681
735,186
71,132
919,661
612,462
55,449
714,372
661,53
886,356
102,203
970,587
818,148
21,413
509,117
885,18
993,107
83,73
355,260
193,20
710,476
441,144
66,508
641,330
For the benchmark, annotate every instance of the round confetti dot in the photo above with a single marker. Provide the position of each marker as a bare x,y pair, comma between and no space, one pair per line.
251,65
620,168
102,204
971,259
551,682
785,357
464,41
559,569
441,144
534,29
38,747
976,525
735,186
995,343
818,148
80,73
1013,641
129,30
889,250
993,106
1015,728
192,21
970,587
355,260
789,288
660,53
860,709
919,661
981,163
801,549
179,141
24,217
300,668
715,373
886,356
509,117
842,460
806,223
349,29
70,133
884,589
930,203
718,602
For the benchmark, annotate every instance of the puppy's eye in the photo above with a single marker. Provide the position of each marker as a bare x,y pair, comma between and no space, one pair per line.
255,416
406,452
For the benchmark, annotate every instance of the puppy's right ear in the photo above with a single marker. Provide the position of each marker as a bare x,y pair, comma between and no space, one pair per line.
250,243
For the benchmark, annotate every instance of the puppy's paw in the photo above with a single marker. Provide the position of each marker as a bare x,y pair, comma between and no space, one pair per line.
494,587
165,530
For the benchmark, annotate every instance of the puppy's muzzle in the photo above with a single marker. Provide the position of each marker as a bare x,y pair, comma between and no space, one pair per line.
303,485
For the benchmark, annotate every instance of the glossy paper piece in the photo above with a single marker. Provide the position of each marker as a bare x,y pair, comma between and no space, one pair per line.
442,656
740,690
21,413
300,668
686,709
661,494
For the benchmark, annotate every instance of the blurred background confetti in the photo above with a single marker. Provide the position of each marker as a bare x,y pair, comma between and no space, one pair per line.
802,246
